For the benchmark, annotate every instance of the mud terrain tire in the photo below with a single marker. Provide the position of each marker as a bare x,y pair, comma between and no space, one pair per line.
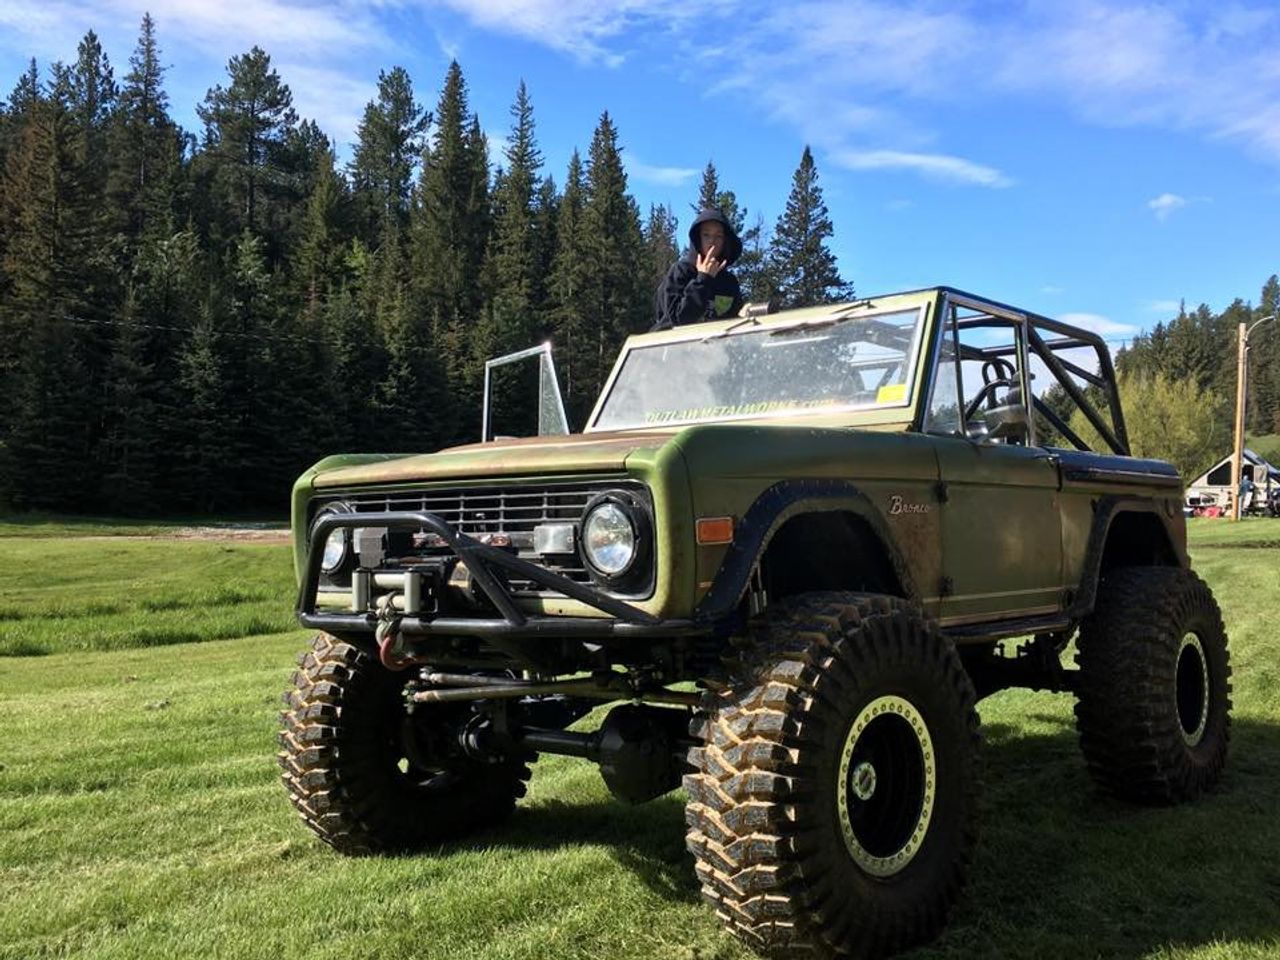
835,800
362,778
1154,696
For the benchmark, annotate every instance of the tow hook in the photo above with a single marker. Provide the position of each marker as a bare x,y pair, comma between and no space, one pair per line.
390,642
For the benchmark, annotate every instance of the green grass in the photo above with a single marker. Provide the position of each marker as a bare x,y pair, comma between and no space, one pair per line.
1247,532
78,594
141,817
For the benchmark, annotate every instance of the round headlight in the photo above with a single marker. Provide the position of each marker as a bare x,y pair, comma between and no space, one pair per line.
335,551
609,538
337,546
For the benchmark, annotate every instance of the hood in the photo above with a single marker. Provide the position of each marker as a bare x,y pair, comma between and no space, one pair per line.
576,453
732,246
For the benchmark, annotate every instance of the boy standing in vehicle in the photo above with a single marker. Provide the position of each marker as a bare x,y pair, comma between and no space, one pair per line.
700,286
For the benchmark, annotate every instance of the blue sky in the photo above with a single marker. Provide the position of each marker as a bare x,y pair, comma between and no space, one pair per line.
1094,161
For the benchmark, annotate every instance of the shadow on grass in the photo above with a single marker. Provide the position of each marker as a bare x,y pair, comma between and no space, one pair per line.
1061,870
647,840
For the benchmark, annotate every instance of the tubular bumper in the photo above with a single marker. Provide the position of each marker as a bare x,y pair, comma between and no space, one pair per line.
624,620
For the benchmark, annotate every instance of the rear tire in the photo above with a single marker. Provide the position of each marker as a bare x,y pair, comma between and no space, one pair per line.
365,776
1154,698
834,804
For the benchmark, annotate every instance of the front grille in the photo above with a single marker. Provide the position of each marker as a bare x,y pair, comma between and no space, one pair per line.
513,511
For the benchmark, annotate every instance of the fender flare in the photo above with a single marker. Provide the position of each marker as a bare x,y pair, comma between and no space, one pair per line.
773,508
1105,512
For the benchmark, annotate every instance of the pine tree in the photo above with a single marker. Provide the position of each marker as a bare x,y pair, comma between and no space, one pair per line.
322,249
512,262
568,319
92,274
1264,348
26,93
448,230
129,450
355,362
801,269
546,214
25,98
41,359
246,126
145,416
390,140
146,147
205,471
93,97
616,294
661,246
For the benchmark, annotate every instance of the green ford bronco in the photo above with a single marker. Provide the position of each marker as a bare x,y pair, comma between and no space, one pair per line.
794,551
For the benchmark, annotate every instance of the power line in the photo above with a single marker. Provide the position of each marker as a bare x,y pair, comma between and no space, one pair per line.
230,334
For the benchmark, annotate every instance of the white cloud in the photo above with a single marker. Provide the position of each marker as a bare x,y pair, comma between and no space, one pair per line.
331,98
1103,326
937,166
662,176
585,29
1164,205
1052,290
497,145
1164,306
858,79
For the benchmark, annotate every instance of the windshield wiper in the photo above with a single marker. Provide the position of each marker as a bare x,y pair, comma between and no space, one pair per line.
840,316
729,329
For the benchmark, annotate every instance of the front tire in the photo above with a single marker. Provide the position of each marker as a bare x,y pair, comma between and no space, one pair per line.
369,779
1154,700
834,803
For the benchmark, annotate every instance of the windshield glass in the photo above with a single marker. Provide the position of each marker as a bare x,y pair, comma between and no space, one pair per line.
864,362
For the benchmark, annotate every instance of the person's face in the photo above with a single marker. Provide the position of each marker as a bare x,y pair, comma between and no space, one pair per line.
710,238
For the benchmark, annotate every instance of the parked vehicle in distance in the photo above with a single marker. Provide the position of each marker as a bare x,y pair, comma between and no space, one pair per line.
795,551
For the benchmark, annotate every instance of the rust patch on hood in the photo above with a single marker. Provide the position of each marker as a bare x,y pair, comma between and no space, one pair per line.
596,452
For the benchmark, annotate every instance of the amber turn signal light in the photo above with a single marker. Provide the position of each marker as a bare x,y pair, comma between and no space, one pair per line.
713,530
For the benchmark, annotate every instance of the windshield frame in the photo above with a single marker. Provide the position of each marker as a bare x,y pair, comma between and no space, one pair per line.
837,314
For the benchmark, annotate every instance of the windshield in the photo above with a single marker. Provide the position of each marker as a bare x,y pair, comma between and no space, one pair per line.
864,362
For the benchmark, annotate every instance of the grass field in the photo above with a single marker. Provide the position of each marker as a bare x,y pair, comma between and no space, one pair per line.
141,815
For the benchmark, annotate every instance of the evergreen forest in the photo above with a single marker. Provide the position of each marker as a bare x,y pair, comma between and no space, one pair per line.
189,319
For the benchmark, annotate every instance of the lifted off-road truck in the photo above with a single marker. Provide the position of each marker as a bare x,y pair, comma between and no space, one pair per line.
794,550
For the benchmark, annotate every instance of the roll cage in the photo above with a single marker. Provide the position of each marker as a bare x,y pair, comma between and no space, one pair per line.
1007,363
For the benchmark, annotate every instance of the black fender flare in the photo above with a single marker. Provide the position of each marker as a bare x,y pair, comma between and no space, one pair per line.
773,508
1105,512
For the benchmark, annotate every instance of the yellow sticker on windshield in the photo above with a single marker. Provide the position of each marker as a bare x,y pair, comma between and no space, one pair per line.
893,393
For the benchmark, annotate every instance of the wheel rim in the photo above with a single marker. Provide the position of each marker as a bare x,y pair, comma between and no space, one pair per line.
885,785
1192,690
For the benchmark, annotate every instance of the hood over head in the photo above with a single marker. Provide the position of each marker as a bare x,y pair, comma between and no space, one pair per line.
732,245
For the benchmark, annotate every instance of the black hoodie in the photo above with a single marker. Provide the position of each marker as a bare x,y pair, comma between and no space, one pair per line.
687,296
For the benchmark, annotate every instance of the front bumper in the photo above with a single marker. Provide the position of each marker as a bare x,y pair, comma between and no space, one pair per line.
483,561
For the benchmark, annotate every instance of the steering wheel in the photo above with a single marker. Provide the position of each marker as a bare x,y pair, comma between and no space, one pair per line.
987,394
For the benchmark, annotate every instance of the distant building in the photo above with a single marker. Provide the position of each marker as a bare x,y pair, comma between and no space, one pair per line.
1213,487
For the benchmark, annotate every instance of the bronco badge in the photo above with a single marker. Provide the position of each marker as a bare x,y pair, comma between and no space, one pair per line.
898,506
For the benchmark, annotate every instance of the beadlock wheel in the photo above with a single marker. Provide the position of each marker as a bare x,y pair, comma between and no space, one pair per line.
833,811
1193,689
367,778
1154,693
886,785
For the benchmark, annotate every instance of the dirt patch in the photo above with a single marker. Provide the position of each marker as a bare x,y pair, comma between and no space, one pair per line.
264,535
251,534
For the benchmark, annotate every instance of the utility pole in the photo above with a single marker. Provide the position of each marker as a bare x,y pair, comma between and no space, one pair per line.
1242,372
